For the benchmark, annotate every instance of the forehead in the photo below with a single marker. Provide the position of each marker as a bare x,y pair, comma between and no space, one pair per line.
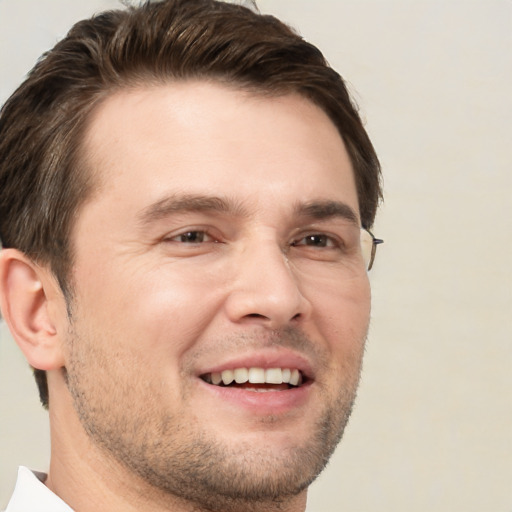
207,138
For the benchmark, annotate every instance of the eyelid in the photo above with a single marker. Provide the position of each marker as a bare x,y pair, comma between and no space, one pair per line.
171,237
335,241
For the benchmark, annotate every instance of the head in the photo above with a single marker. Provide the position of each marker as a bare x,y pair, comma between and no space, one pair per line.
47,178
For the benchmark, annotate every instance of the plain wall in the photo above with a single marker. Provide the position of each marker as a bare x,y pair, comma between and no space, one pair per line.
432,427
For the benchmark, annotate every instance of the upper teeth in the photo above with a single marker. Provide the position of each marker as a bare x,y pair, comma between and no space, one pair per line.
257,376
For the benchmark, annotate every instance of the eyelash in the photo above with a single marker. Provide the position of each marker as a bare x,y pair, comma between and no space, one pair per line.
323,240
327,241
202,232
191,236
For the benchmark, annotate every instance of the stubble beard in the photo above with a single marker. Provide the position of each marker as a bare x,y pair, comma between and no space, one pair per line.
185,461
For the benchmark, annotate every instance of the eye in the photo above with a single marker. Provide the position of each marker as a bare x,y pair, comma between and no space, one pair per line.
192,237
315,240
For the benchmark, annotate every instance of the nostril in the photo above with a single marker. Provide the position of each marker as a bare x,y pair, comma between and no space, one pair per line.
252,303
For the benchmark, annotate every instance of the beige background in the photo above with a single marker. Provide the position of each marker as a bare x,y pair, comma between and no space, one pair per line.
432,427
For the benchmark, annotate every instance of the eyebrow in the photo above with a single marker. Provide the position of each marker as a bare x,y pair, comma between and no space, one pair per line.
182,203
323,210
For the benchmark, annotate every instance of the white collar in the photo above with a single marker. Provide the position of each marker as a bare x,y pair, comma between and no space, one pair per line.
30,494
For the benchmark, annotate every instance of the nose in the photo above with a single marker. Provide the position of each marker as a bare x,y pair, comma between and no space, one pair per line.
265,289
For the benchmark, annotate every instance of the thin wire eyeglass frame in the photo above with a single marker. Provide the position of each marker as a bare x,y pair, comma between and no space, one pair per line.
373,250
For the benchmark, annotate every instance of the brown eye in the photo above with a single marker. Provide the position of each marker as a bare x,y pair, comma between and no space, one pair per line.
192,237
314,240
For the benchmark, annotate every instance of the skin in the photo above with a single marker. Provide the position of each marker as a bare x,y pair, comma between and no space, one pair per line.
271,275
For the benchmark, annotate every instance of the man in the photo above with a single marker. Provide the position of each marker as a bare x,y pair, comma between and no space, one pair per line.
185,197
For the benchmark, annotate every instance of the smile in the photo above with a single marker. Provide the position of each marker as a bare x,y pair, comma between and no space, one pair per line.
257,379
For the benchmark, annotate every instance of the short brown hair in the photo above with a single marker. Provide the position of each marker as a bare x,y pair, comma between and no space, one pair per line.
43,182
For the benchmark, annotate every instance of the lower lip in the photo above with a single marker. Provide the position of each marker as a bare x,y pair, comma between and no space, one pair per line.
261,402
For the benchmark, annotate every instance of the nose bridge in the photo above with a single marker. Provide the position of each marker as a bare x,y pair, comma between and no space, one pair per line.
265,287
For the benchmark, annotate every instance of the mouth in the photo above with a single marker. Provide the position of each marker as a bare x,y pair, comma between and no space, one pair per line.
257,379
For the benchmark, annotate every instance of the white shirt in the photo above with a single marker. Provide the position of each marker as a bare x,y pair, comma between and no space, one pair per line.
31,495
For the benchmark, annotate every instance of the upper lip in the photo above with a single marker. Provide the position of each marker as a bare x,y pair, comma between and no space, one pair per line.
264,359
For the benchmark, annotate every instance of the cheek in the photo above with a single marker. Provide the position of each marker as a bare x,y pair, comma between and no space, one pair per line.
154,309
340,294
341,312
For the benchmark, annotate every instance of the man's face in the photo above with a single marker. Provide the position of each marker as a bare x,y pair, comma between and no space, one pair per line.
223,241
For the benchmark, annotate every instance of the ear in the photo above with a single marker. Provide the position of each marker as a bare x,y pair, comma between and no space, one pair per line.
31,301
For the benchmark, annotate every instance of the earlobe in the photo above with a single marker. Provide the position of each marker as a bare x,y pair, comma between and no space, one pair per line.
26,290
